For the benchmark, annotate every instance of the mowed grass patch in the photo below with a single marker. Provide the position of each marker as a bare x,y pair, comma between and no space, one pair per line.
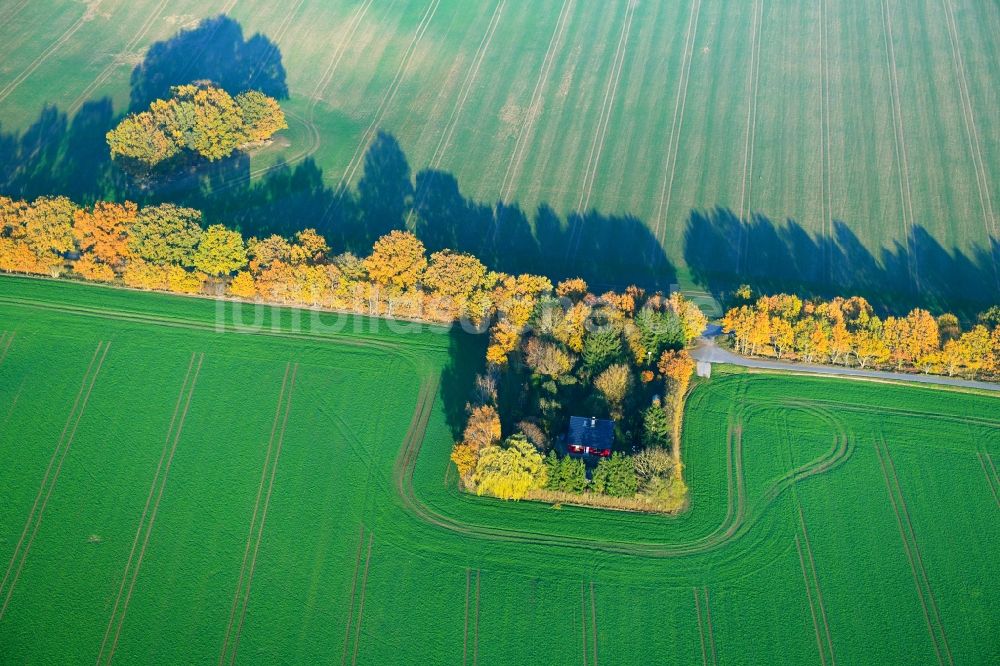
307,511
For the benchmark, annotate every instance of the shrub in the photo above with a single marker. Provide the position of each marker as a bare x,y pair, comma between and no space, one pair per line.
615,476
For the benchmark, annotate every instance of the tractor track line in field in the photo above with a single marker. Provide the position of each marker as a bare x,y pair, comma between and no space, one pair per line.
338,54
753,83
279,34
603,122
819,590
13,11
390,94
809,598
919,555
6,341
156,507
354,589
972,132
263,516
211,38
583,621
701,628
989,478
361,602
145,509
826,144
106,72
708,623
88,14
256,508
593,619
465,630
534,106
475,639
51,476
899,133
463,95
677,124
906,548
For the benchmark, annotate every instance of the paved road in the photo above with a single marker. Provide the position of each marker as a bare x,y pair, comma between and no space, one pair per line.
709,351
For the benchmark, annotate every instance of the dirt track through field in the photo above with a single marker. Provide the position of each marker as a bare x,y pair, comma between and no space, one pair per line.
51,476
818,589
145,509
279,410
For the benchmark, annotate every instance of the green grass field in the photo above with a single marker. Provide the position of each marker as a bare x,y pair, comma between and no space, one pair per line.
180,490
875,116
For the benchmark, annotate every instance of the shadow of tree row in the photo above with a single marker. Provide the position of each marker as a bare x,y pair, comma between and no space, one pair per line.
70,156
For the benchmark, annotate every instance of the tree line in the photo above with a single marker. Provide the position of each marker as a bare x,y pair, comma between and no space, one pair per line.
847,331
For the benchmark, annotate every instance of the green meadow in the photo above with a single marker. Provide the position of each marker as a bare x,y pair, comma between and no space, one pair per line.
185,481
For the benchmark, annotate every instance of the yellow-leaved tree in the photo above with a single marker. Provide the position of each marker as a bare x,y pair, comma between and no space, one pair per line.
509,471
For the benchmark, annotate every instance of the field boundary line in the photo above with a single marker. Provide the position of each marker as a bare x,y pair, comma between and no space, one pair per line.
145,509
475,642
361,602
919,556
87,16
463,95
899,129
253,517
701,628
972,132
534,104
129,45
7,340
603,122
46,487
809,597
753,85
388,97
263,516
677,124
156,508
593,619
819,589
354,588
906,547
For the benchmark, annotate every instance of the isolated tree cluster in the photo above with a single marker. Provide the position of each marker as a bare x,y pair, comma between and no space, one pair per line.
201,120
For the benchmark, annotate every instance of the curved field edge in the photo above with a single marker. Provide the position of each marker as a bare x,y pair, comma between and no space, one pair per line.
719,515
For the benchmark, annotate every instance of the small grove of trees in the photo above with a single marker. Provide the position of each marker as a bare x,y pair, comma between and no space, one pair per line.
846,331
202,120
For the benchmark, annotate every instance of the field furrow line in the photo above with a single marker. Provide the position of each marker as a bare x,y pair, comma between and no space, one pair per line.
603,122
145,509
906,198
701,628
753,79
361,602
708,624
106,72
809,597
677,124
989,479
534,108
463,95
593,619
263,517
6,341
354,589
358,158
253,517
34,521
906,548
972,133
819,589
156,508
465,626
52,48
919,557
583,621
475,641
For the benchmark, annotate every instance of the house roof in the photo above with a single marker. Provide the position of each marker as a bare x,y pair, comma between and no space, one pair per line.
588,431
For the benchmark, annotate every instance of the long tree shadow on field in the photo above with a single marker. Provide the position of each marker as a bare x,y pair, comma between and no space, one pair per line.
724,251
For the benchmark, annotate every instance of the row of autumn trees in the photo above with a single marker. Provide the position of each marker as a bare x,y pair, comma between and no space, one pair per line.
570,352
197,119
847,331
